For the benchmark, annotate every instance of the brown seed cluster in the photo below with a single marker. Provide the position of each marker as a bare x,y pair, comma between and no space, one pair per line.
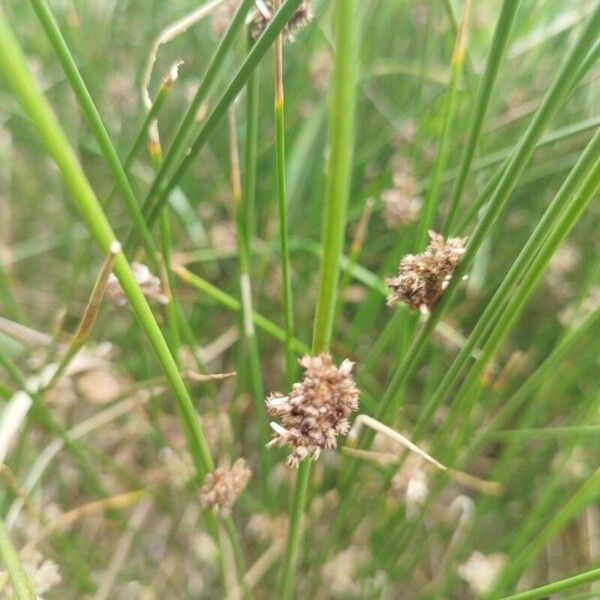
316,410
221,17
223,486
401,203
422,278
150,285
264,13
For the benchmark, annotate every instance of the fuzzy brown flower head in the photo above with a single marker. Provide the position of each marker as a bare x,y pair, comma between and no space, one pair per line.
149,284
401,203
223,486
422,278
400,207
316,411
264,13
221,17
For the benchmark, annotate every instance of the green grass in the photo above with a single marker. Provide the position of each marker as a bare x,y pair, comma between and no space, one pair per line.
260,209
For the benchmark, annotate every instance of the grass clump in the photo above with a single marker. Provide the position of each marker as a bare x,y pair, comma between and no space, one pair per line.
443,444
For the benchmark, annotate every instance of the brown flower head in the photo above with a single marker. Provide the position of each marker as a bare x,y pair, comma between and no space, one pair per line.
264,13
401,203
221,17
422,278
223,486
150,285
316,410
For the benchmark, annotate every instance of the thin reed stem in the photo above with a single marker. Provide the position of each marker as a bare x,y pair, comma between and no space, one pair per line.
279,107
95,122
341,145
484,94
557,586
10,557
258,50
247,324
431,201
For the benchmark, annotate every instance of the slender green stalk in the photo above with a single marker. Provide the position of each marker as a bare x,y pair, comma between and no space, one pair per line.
185,126
16,72
341,146
251,147
20,582
581,198
155,151
169,279
233,304
553,99
494,59
544,372
249,334
587,493
432,198
288,305
20,79
518,268
258,50
557,586
95,122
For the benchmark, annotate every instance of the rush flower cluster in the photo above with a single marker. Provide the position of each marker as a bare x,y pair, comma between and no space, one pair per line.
264,13
223,486
422,278
316,411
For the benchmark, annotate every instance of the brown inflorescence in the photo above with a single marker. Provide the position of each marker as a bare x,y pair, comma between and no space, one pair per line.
401,203
223,486
264,14
316,411
422,278
149,284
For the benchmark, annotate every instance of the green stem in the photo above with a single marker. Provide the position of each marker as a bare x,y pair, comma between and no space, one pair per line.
558,586
582,196
95,122
249,334
155,152
20,582
341,146
432,198
519,267
16,72
495,57
288,307
295,526
189,118
252,60
517,162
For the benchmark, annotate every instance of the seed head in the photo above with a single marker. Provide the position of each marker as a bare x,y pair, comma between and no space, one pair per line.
223,486
401,203
264,13
316,410
422,278
221,17
150,285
